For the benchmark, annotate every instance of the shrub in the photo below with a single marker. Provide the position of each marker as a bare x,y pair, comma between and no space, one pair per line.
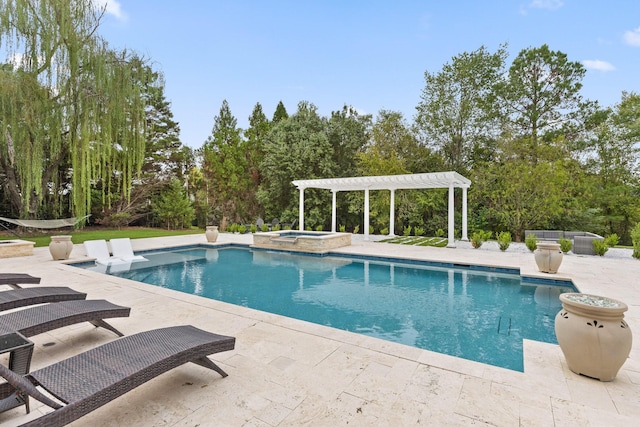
504,240
253,228
600,247
318,228
308,228
342,228
233,228
275,227
635,238
479,237
356,229
384,231
439,232
612,240
531,241
242,228
406,231
371,230
565,245
264,227
418,231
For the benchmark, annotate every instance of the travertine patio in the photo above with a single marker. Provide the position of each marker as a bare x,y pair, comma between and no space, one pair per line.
286,372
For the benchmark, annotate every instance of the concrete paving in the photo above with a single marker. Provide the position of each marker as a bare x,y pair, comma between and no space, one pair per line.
286,372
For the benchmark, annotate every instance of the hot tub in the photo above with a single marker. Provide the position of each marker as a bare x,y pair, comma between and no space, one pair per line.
14,248
302,241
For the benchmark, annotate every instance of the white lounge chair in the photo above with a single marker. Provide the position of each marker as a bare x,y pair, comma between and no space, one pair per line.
122,249
99,250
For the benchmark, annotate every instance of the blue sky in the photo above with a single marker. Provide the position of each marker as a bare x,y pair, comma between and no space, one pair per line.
371,55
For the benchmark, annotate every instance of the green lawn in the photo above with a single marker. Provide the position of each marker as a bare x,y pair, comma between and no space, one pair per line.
79,236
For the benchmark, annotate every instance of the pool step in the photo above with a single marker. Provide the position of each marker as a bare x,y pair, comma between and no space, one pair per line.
504,327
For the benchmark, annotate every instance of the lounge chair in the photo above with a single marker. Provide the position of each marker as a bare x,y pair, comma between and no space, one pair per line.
13,279
38,295
99,250
44,318
122,249
94,378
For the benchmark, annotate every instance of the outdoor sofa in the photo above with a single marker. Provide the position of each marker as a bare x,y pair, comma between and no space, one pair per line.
582,240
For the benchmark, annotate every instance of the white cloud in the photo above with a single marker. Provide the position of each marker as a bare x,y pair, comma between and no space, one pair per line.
632,37
546,4
112,7
596,64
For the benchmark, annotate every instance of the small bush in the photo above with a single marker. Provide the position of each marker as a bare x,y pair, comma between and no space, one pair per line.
384,231
531,241
565,245
318,227
264,227
504,240
406,231
371,230
418,231
342,228
600,247
275,227
356,229
233,228
612,240
635,238
479,237
439,232
253,228
242,228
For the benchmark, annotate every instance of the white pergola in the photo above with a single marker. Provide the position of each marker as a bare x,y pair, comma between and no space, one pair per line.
450,180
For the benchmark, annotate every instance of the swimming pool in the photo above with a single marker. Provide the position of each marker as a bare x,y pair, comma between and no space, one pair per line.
469,313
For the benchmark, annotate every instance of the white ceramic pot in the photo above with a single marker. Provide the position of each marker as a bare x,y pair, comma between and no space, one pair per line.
60,247
548,257
593,335
211,233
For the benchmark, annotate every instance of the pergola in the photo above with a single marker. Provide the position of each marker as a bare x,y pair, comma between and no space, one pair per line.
450,180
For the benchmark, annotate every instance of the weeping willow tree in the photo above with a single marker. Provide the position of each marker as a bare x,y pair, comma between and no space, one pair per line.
72,112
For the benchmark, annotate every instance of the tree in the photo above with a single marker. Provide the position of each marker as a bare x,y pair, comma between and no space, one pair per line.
225,166
280,113
347,132
457,111
255,137
541,95
79,125
173,207
297,148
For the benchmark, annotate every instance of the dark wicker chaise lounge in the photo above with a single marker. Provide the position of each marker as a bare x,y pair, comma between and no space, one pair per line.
23,297
91,379
13,279
47,317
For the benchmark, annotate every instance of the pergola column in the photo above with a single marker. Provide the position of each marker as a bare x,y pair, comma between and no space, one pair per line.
333,211
451,242
366,213
465,236
392,213
301,209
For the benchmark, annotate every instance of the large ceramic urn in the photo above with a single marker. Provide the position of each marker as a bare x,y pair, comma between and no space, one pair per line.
60,247
211,233
548,257
593,335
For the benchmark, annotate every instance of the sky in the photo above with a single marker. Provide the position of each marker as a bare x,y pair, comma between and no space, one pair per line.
368,54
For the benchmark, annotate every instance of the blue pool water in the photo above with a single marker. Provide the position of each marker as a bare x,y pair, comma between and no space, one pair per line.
477,315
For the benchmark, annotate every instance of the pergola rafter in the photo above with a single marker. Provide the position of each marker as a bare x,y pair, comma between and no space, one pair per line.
450,180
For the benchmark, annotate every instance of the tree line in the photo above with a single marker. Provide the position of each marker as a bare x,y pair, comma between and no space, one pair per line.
102,139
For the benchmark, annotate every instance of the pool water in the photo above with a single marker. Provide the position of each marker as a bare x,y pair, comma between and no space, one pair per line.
476,315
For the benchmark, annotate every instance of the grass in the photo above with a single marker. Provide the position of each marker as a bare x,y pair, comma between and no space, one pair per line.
79,236
439,242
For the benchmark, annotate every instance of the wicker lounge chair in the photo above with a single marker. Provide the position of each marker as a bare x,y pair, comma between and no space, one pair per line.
111,370
44,318
13,279
38,295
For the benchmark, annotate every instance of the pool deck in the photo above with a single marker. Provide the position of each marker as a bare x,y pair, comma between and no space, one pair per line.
286,372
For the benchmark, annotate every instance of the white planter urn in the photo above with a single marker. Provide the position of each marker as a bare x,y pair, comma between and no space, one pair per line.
548,257
212,233
60,247
593,335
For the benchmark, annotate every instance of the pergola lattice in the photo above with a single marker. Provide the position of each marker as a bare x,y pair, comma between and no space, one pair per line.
450,180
